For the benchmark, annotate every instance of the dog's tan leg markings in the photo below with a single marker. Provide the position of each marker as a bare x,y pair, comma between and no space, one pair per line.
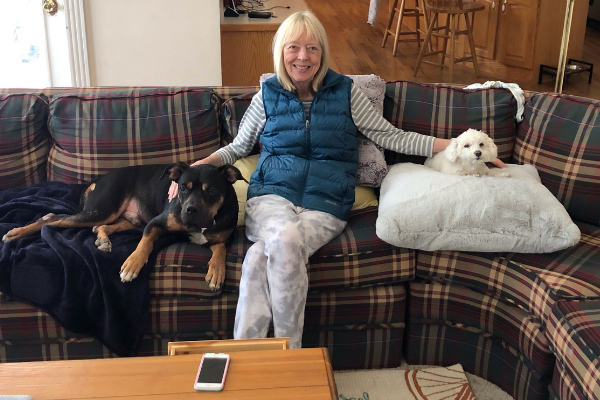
89,190
17,233
104,231
134,263
71,221
216,266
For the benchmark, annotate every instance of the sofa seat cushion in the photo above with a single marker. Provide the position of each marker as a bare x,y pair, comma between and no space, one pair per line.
560,136
435,303
574,332
444,111
24,139
531,281
356,258
97,132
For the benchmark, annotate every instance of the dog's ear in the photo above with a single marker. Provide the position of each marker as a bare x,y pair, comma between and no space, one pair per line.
231,173
175,170
451,152
492,146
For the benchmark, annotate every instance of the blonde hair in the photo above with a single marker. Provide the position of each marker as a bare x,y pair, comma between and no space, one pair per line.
291,29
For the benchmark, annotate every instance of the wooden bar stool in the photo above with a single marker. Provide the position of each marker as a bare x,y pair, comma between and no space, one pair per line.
453,9
402,11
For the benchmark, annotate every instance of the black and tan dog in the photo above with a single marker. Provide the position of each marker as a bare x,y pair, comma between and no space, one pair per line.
205,209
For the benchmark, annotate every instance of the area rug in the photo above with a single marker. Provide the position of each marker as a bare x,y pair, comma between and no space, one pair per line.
433,383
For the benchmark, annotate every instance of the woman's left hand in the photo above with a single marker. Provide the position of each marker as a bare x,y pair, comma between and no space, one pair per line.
498,163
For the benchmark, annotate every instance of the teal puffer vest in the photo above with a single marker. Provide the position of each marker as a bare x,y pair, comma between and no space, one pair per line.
310,163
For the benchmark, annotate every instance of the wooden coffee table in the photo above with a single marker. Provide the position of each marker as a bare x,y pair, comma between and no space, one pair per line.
268,374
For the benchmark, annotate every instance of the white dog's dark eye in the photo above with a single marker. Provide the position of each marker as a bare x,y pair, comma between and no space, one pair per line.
467,146
480,144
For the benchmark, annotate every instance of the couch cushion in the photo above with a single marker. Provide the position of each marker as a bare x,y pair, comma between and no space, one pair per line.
356,258
230,114
574,331
24,139
97,132
227,92
444,111
533,282
434,303
560,136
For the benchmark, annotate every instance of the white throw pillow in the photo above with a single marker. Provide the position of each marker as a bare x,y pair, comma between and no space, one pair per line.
420,208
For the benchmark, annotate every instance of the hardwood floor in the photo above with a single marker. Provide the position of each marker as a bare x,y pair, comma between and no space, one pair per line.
356,49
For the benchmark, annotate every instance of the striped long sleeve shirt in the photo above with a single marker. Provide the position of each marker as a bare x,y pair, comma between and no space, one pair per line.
366,119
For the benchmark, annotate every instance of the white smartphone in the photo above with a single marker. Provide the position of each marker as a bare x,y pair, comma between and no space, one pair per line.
212,372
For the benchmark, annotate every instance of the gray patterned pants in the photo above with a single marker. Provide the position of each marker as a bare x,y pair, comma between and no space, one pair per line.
274,280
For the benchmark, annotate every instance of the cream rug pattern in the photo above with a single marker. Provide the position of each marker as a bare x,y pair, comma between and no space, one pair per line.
429,383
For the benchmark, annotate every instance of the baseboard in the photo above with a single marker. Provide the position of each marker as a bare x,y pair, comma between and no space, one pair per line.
593,23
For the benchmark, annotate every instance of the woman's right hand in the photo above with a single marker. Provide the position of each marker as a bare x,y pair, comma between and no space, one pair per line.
173,190
213,159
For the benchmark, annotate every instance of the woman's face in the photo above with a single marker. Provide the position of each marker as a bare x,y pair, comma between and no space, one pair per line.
302,59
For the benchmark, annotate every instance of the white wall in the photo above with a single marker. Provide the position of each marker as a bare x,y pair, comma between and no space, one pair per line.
153,42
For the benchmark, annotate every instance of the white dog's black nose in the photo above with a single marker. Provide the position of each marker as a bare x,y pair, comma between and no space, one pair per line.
478,153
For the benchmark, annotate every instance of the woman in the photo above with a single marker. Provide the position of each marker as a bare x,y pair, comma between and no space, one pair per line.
301,193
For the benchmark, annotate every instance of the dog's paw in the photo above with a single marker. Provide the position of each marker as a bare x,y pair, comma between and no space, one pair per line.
103,245
10,235
504,175
132,267
215,275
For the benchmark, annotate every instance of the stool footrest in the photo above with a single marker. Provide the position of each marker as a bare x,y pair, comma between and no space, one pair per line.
432,53
470,58
410,12
437,64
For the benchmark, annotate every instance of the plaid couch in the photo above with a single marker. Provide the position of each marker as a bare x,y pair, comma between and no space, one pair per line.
511,318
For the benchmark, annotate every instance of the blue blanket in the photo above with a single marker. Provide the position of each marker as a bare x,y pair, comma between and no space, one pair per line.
62,272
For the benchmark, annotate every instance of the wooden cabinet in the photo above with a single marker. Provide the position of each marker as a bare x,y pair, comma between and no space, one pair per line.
484,29
505,31
516,34
513,37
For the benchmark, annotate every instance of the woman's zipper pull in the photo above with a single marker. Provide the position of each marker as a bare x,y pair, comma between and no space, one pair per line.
307,124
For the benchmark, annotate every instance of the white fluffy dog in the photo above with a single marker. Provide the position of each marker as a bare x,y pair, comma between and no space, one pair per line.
467,155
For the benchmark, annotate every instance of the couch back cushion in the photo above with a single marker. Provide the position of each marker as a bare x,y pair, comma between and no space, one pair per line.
231,114
24,139
95,133
445,112
560,136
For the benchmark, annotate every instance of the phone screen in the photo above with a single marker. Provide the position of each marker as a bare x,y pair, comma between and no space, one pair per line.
212,370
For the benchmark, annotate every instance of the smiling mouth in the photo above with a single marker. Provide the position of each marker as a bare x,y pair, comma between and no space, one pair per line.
302,67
